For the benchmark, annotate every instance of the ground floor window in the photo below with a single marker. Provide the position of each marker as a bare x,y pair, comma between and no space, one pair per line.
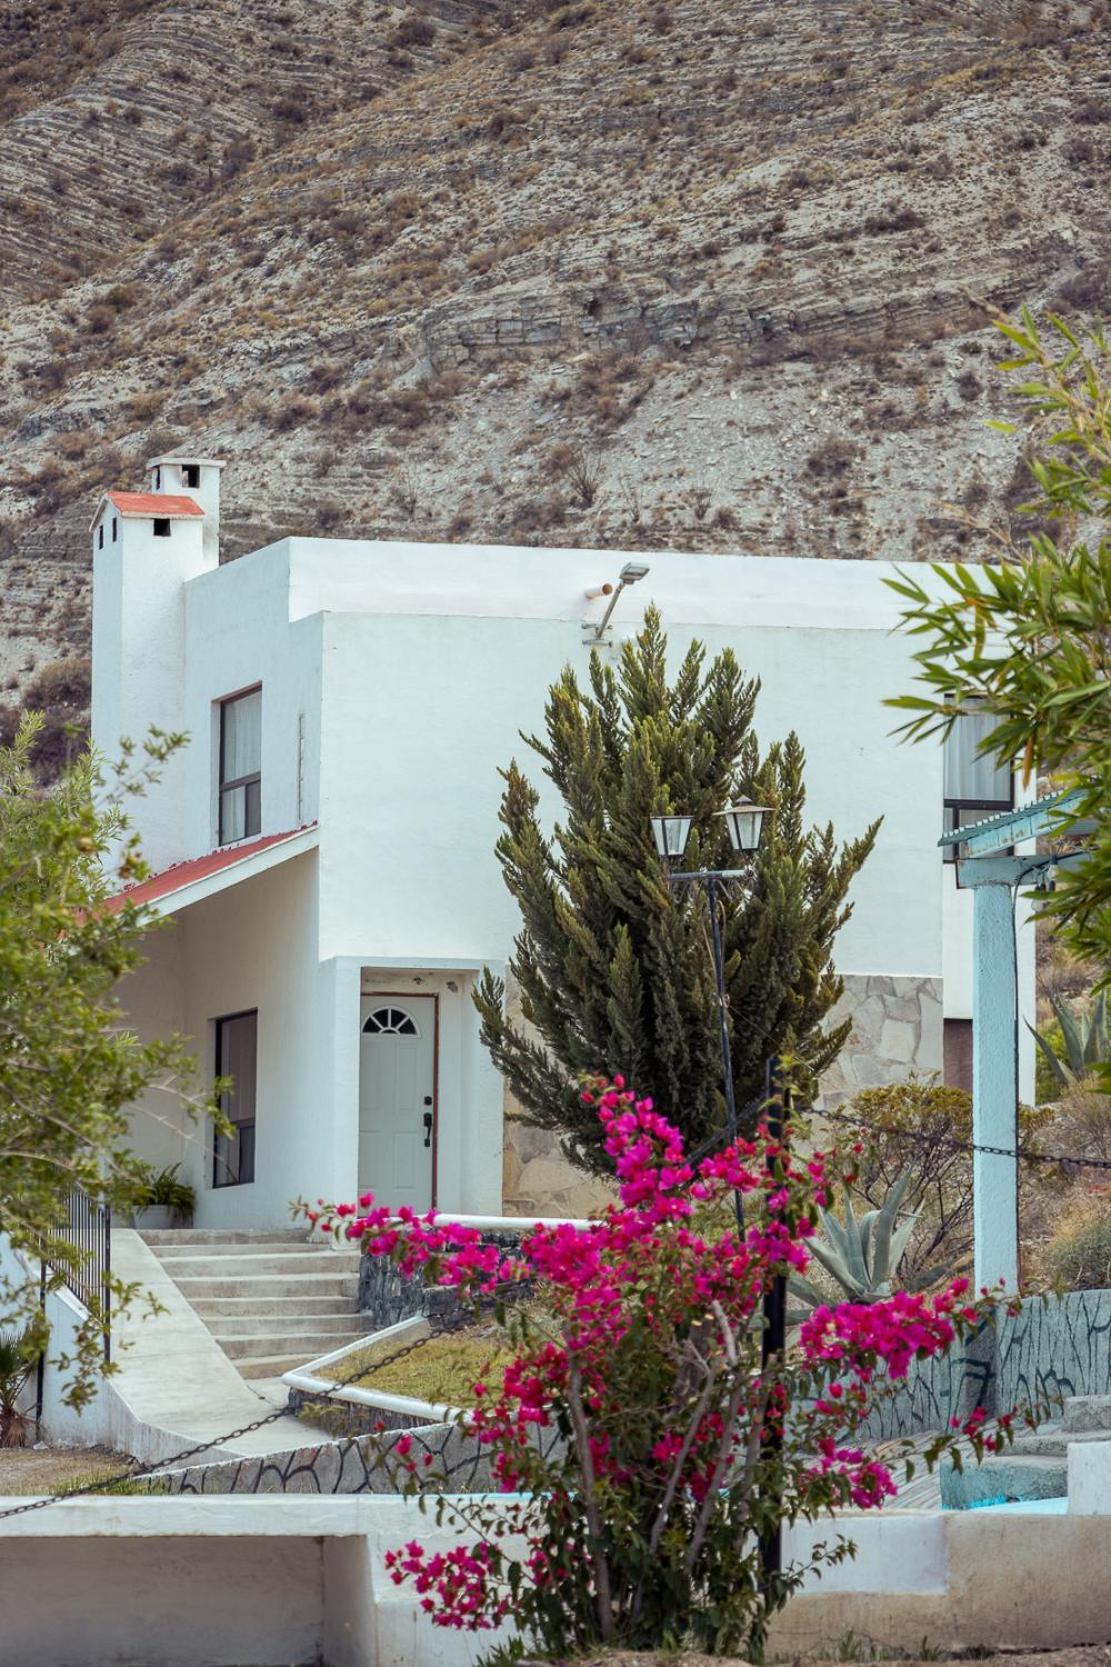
237,1059
957,1042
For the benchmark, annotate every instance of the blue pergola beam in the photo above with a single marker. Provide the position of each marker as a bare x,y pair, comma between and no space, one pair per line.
1011,827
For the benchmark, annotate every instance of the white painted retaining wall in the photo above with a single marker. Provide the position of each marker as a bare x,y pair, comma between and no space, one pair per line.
173,1386
226,1581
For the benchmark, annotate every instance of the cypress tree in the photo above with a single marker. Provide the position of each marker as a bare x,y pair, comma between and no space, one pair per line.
613,965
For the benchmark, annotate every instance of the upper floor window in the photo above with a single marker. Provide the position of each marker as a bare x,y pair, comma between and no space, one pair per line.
240,766
191,474
976,785
100,537
115,527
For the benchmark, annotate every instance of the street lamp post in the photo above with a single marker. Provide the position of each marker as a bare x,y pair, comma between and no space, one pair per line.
745,823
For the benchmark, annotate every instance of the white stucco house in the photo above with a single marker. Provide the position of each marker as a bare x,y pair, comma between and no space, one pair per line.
323,848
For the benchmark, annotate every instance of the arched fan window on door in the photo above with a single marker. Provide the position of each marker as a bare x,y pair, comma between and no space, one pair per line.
390,1021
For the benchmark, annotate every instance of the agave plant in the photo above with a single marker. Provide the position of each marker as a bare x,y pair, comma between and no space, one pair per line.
1087,1041
16,1362
862,1253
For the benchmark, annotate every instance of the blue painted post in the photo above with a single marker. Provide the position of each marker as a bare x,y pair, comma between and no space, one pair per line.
994,1081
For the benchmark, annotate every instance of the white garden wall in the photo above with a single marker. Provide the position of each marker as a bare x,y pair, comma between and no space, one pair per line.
299,1580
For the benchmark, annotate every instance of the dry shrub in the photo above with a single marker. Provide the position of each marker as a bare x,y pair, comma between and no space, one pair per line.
413,30
1078,1254
833,457
63,683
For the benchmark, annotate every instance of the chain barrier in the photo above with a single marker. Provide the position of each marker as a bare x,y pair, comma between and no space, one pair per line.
951,1144
948,1143
105,1485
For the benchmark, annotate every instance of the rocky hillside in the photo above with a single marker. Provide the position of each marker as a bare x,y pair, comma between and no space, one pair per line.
617,272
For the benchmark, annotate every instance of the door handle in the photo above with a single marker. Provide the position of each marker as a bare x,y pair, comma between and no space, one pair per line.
428,1128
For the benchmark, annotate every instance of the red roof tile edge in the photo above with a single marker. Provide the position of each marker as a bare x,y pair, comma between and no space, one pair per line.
170,504
182,874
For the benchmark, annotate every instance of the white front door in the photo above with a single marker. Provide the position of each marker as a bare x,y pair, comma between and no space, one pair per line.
397,1085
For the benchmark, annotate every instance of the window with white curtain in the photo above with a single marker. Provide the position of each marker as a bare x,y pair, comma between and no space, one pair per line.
976,785
240,767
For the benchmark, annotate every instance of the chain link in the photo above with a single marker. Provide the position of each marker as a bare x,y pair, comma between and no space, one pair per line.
105,1485
951,1144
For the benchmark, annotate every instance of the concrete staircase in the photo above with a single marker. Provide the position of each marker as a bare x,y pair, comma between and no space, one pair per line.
1037,1465
270,1298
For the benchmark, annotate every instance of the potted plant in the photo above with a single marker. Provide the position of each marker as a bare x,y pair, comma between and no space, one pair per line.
165,1201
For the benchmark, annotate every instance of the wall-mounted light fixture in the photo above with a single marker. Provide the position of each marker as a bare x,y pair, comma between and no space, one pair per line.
630,574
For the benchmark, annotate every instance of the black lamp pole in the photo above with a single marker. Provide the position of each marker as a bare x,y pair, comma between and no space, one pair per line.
774,1341
711,879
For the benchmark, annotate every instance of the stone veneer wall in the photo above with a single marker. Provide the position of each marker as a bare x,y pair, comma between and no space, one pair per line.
355,1464
1059,1347
897,1032
1054,1348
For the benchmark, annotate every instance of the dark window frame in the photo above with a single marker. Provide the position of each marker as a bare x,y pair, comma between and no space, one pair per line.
956,812
162,526
191,475
115,527
244,1126
252,808
100,540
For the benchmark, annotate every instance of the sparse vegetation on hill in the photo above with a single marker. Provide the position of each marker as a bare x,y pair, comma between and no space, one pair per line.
624,274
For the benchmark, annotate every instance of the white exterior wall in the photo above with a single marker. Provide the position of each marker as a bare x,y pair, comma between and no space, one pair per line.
254,946
422,710
139,588
153,1000
395,682
239,634
167,475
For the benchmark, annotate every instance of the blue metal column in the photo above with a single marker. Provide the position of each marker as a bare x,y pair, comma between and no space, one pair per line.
994,1078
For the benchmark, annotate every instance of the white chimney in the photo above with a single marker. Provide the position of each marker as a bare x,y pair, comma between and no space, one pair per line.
198,478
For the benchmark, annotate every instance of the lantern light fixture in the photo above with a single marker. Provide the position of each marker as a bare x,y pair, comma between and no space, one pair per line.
671,834
746,825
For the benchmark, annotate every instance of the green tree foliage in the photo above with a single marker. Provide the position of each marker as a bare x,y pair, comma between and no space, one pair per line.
1029,639
68,1067
613,965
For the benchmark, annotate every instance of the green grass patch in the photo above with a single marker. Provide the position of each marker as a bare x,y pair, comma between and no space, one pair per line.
442,1369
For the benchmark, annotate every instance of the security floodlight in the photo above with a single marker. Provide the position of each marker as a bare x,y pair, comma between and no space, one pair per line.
671,834
629,575
746,825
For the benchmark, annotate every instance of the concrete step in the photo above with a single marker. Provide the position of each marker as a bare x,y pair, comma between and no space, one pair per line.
178,1238
171,1254
269,1286
1004,1476
1054,1441
273,1365
1087,1412
290,1263
284,1324
294,1303
309,1343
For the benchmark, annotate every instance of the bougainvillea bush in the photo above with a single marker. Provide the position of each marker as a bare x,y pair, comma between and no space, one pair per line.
682,1449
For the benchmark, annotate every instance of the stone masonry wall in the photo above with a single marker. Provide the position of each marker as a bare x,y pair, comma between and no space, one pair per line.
897,1032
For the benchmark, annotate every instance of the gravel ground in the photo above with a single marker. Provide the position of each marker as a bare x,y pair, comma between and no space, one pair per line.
31,1470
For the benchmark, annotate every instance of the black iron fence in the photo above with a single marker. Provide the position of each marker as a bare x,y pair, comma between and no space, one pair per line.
87,1228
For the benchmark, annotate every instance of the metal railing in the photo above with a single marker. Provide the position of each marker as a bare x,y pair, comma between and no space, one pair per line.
87,1227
